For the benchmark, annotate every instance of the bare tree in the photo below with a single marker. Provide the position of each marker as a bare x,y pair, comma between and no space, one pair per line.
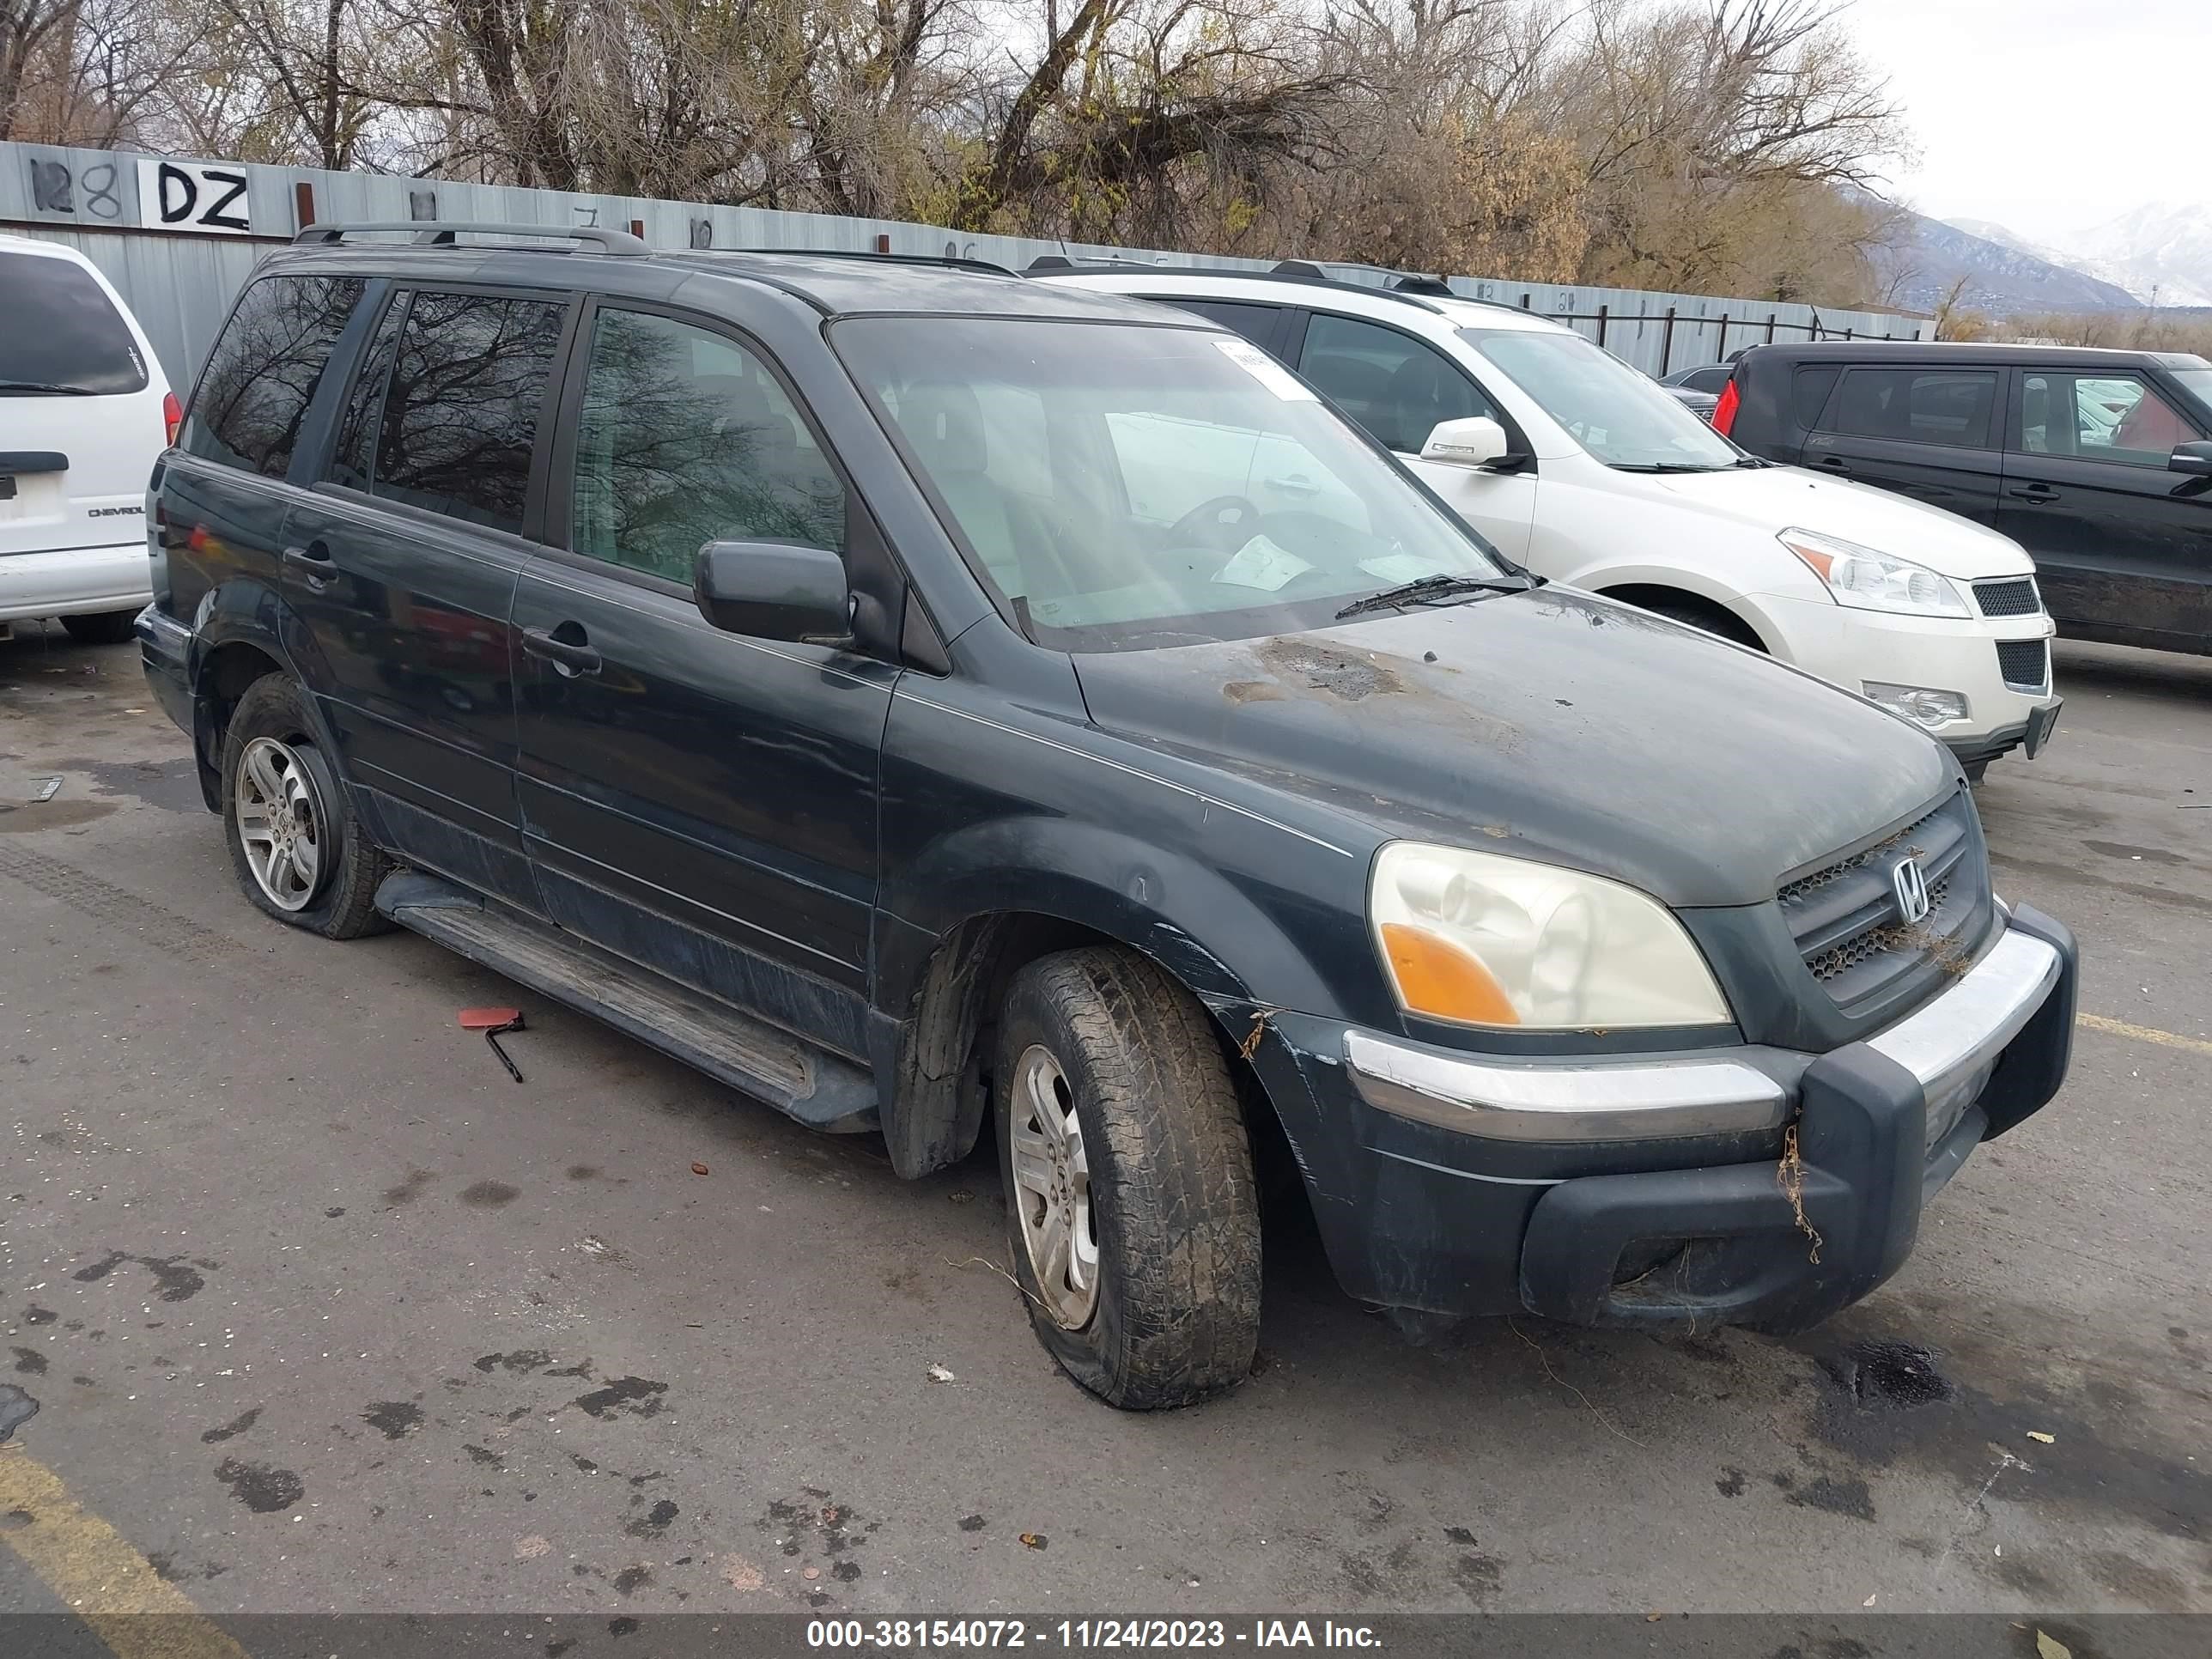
27,28
1717,145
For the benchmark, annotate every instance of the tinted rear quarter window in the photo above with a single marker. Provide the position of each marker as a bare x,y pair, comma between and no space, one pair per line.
1808,394
1255,323
262,376
462,405
1946,406
62,328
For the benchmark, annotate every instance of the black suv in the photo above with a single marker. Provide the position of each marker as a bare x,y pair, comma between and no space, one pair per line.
877,685
2098,463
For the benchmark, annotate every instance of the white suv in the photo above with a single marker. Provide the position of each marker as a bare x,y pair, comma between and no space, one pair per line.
84,413
1585,470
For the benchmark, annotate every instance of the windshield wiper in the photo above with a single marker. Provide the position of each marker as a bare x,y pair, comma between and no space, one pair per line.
51,387
1669,466
1431,590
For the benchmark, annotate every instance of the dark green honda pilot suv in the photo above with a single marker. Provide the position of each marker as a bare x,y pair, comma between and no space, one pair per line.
926,698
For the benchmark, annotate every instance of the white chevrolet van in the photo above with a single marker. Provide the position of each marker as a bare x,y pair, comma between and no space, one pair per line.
1587,472
84,411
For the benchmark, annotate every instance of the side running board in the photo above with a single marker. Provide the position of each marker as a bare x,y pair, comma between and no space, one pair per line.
820,1090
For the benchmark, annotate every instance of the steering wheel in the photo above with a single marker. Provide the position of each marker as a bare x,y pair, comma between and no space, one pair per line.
1205,523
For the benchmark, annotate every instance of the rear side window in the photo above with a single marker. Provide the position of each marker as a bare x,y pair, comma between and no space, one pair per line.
353,459
62,331
1393,384
1808,394
264,369
1946,406
462,403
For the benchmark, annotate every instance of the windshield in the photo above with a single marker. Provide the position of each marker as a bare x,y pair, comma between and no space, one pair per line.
1125,486
1621,416
2197,383
63,330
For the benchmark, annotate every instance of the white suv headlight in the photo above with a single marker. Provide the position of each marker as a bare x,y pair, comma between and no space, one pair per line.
1869,580
1482,939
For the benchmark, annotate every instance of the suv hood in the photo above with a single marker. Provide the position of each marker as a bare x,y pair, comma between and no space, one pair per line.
1550,725
1771,499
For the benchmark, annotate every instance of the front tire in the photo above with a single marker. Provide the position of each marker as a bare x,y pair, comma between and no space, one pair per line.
1130,1208
298,850
102,627
1709,618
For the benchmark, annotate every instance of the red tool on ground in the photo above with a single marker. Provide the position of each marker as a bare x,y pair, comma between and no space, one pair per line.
491,1022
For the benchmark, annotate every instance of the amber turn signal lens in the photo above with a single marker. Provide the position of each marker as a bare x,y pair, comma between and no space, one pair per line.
1439,978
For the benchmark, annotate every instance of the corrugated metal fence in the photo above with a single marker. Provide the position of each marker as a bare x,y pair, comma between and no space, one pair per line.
180,238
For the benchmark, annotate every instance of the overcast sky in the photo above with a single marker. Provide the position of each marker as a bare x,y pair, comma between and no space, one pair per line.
2046,116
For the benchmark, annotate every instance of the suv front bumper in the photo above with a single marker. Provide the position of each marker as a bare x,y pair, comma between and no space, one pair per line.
1656,1191
1851,648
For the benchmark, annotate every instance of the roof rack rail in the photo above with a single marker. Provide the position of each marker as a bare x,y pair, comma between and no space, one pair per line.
951,260
1422,291
430,232
1108,262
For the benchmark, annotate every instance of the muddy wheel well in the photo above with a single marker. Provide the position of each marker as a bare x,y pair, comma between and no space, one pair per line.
229,670
1693,608
944,1062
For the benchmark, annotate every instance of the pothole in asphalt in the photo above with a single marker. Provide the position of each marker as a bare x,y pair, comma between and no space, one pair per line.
1893,1376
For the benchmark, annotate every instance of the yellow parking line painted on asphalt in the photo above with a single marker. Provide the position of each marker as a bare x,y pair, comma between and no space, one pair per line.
2143,1033
99,1577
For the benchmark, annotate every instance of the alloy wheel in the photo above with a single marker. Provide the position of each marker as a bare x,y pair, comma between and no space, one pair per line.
1051,1188
281,823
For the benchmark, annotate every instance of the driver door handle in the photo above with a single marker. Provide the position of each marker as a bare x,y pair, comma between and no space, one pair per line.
1295,484
313,563
2034,492
1833,463
568,656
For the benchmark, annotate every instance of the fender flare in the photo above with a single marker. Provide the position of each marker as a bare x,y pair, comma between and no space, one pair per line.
1744,607
250,613
938,962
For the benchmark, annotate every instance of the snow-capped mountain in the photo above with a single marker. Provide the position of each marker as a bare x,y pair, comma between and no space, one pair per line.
2163,247
2166,246
2003,273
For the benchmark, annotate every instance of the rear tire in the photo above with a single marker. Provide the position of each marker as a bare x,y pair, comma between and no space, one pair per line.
298,849
1130,1208
102,627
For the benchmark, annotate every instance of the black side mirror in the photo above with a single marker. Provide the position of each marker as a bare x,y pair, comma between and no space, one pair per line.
2191,457
773,590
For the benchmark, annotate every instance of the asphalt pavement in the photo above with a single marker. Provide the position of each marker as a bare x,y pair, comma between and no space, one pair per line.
321,1311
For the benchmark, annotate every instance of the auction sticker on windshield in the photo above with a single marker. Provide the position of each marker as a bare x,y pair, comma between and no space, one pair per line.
1265,370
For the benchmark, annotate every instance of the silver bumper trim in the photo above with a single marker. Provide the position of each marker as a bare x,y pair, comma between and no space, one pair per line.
1499,1100
1950,1045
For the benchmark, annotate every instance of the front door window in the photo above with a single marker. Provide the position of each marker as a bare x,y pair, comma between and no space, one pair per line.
686,438
2100,416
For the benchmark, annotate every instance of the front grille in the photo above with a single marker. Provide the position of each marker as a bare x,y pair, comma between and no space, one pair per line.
2014,597
1845,920
2025,665
1869,943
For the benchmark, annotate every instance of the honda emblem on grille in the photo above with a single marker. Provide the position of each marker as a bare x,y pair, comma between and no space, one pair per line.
1912,888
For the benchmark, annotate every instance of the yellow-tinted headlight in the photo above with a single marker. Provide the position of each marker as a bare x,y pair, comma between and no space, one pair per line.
1478,939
